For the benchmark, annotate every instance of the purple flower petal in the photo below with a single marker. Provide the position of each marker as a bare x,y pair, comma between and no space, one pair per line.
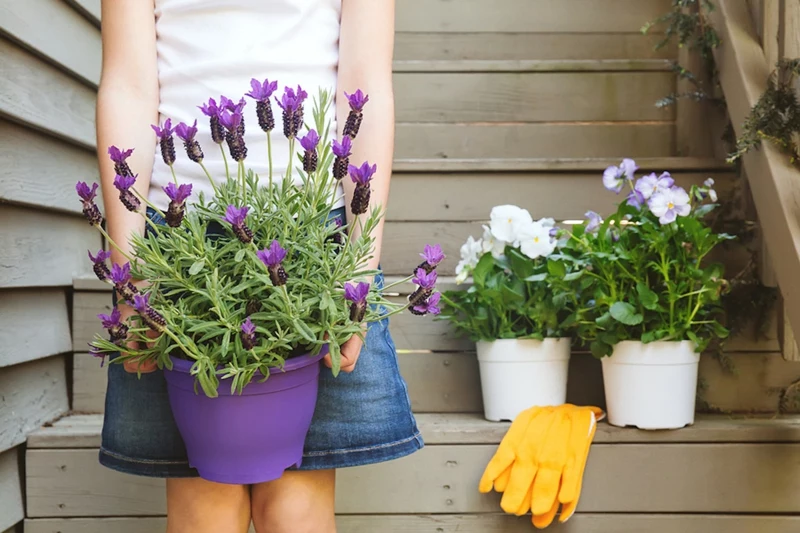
86,194
636,199
262,91
141,302
248,328
429,306
310,141
186,132
272,256
594,221
235,215
356,293
178,193
433,255
101,257
165,132
120,274
112,320
230,120
117,155
363,174
211,109
291,100
357,100
342,149
424,279
123,183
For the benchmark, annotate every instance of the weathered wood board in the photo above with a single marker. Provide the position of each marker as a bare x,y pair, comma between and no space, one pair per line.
30,395
24,314
12,509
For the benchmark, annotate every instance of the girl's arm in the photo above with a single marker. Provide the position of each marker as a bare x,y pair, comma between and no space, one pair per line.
366,49
127,103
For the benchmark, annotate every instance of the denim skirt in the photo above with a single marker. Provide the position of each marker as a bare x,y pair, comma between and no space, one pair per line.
361,418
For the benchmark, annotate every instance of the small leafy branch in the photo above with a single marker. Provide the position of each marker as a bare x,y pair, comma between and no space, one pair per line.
776,115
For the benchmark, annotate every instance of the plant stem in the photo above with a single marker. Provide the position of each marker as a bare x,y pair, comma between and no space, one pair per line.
147,202
291,158
225,159
112,243
241,173
174,177
210,179
269,157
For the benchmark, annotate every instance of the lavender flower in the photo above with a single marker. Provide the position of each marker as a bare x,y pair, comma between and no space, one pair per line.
177,205
357,101
87,196
292,104
94,351
151,317
236,216
428,307
248,334
357,296
651,184
232,121
337,237
670,204
120,276
227,104
261,93
309,144
361,176
126,196
116,329
273,258
426,281
187,135
432,255
119,157
342,152
99,264
166,141
594,221
614,178
211,110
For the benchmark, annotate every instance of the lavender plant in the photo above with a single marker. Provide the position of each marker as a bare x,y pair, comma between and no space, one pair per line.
645,273
259,272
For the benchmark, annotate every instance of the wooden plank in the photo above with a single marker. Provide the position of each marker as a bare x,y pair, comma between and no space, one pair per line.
770,30
510,46
32,394
51,182
474,523
70,40
43,249
774,185
25,316
689,478
525,140
88,8
89,381
609,16
594,164
520,97
12,508
532,65
788,340
40,95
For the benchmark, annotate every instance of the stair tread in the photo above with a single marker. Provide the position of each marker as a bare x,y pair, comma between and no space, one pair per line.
530,65
566,164
83,431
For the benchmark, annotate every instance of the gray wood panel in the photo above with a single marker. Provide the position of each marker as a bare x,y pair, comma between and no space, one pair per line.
25,315
39,94
531,97
572,46
556,16
43,249
474,523
448,141
32,394
58,166
88,8
688,478
12,508
590,164
70,40
532,65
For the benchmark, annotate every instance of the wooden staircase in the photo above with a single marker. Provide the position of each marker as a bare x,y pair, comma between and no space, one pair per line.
499,101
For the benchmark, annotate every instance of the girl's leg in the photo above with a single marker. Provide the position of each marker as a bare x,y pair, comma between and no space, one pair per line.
298,502
195,505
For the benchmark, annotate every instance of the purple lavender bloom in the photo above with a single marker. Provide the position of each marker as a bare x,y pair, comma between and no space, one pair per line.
357,101
292,105
164,132
120,274
151,317
116,329
236,216
273,258
126,196
211,110
119,157
635,199
309,144
362,175
594,221
357,296
262,91
432,256
99,264
342,152
227,103
165,141
87,196
232,121
187,134
94,351
248,334
426,281
429,306
176,210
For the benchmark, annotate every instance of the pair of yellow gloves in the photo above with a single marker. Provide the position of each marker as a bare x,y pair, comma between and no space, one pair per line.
540,462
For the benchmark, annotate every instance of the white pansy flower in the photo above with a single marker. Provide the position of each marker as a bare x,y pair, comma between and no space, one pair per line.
506,222
535,240
492,244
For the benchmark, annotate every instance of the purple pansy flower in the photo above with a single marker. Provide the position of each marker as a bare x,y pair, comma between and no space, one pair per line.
165,141
614,178
126,196
357,296
342,152
357,100
432,256
670,204
273,258
262,91
709,185
248,334
593,221
99,264
235,216
151,317
429,306
652,184
635,199
120,157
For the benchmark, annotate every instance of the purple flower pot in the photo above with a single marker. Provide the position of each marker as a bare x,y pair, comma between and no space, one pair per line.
247,438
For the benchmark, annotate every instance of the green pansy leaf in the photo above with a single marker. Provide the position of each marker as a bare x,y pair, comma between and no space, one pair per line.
647,297
626,314
536,278
600,349
556,269
572,276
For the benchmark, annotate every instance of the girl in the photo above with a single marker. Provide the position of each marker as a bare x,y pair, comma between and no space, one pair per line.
164,58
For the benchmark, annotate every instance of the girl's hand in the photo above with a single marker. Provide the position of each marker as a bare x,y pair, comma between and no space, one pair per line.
350,350
134,366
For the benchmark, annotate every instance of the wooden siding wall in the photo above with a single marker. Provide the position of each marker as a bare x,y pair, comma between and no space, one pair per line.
50,60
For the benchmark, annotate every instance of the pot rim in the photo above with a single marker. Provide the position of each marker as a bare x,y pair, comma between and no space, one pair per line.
184,366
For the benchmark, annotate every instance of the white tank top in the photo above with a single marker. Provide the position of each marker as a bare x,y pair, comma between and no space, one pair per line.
208,48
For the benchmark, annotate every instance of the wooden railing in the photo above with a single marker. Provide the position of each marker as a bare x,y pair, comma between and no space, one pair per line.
755,34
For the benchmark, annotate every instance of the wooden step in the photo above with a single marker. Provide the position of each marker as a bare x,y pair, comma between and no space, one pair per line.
720,465
532,65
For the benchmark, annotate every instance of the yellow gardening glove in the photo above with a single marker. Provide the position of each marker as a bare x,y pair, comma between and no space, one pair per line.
553,456
584,427
499,468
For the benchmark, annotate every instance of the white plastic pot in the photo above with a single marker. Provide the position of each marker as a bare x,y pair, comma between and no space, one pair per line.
520,373
651,386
